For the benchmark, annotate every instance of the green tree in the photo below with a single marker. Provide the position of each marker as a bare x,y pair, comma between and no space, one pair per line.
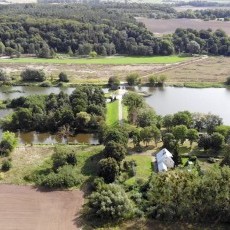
114,82
217,141
63,77
8,143
193,47
168,122
110,202
192,135
146,117
2,48
108,169
169,141
82,120
33,75
3,75
44,51
227,81
182,118
153,80
115,150
116,135
132,79
180,133
205,141
134,102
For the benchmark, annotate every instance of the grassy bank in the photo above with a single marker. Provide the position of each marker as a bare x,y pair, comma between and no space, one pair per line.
112,113
114,60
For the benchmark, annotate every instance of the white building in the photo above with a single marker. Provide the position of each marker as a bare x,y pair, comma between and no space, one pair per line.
164,160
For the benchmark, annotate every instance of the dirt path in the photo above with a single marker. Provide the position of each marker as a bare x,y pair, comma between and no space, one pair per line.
26,208
120,95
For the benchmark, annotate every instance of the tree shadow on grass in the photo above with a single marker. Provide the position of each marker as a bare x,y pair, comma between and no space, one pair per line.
90,169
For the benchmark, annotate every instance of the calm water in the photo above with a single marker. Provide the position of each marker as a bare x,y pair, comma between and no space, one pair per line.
169,100
166,100
11,92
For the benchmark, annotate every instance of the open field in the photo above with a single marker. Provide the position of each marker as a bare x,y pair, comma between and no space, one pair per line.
113,60
91,73
25,160
26,208
162,26
28,159
212,70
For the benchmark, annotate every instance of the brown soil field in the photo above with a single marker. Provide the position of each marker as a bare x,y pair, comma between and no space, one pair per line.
27,208
162,26
211,69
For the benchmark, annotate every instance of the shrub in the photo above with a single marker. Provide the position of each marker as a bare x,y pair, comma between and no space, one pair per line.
115,150
108,169
61,158
132,79
110,203
33,75
3,75
227,81
45,84
6,165
63,77
114,82
65,177
8,143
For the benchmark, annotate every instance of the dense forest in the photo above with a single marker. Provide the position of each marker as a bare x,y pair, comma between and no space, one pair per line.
83,110
106,29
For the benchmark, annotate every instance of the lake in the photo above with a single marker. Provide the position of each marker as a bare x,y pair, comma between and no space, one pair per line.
169,100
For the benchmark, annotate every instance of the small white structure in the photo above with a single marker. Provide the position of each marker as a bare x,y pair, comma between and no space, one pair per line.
164,160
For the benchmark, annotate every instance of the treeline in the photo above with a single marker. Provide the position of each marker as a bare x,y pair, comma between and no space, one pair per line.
203,41
207,14
83,110
74,29
78,29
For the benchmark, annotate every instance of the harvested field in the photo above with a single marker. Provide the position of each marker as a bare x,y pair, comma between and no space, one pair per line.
26,208
85,73
212,69
162,26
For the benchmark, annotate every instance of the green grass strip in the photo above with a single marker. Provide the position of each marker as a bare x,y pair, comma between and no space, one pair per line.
117,60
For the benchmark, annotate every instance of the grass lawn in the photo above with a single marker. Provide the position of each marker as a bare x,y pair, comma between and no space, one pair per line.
144,167
112,113
114,60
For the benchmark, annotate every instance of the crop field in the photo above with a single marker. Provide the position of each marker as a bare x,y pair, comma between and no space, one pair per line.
162,26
